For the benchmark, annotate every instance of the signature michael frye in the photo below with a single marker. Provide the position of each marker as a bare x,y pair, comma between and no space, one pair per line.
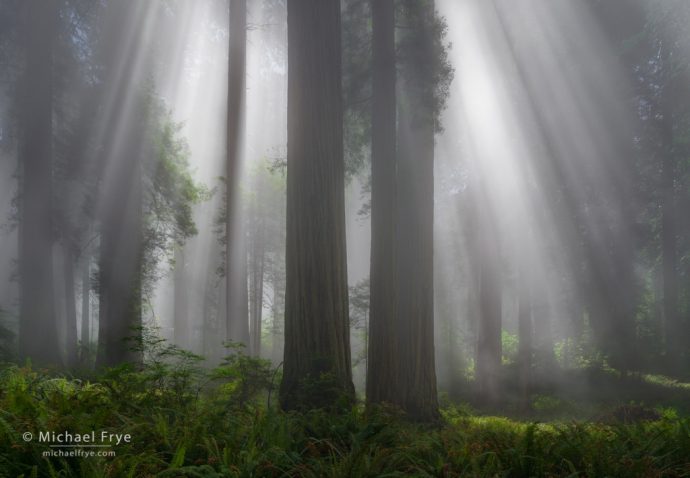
90,439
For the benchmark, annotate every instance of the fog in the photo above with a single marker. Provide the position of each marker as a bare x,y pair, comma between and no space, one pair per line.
550,210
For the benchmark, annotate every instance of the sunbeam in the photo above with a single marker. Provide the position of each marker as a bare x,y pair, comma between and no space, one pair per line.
344,237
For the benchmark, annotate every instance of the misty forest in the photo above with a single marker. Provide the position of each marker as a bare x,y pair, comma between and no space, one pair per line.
310,238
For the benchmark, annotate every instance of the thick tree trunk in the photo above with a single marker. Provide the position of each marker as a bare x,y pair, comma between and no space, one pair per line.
37,324
415,269
383,366
120,275
121,237
236,256
317,365
417,394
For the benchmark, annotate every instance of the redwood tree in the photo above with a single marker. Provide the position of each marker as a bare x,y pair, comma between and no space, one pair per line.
121,225
383,368
37,325
236,257
317,366
417,394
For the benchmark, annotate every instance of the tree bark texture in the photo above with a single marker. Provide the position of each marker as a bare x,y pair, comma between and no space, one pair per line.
317,365
417,394
383,366
37,324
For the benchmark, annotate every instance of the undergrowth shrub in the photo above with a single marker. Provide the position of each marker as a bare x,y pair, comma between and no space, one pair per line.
187,421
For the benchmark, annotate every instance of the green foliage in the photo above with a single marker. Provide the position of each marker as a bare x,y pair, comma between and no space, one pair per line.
359,304
551,406
187,422
241,377
176,412
509,345
424,56
356,44
171,191
573,353
7,347
359,335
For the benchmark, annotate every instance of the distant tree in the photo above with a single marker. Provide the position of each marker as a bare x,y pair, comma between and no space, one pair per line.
666,88
181,301
85,307
147,189
236,254
489,328
592,206
359,321
70,305
8,344
317,365
74,100
525,322
649,38
259,227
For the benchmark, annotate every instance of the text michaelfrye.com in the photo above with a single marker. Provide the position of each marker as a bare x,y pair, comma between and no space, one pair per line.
78,445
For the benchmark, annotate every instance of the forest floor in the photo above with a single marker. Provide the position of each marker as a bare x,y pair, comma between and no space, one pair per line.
186,422
592,394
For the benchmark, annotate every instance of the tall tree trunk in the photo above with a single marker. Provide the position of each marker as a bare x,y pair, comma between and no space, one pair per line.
85,308
669,254
236,255
71,344
417,394
525,324
383,366
214,304
181,301
317,364
543,333
214,332
256,292
121,235
120,269
37,324
489,347
275,353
